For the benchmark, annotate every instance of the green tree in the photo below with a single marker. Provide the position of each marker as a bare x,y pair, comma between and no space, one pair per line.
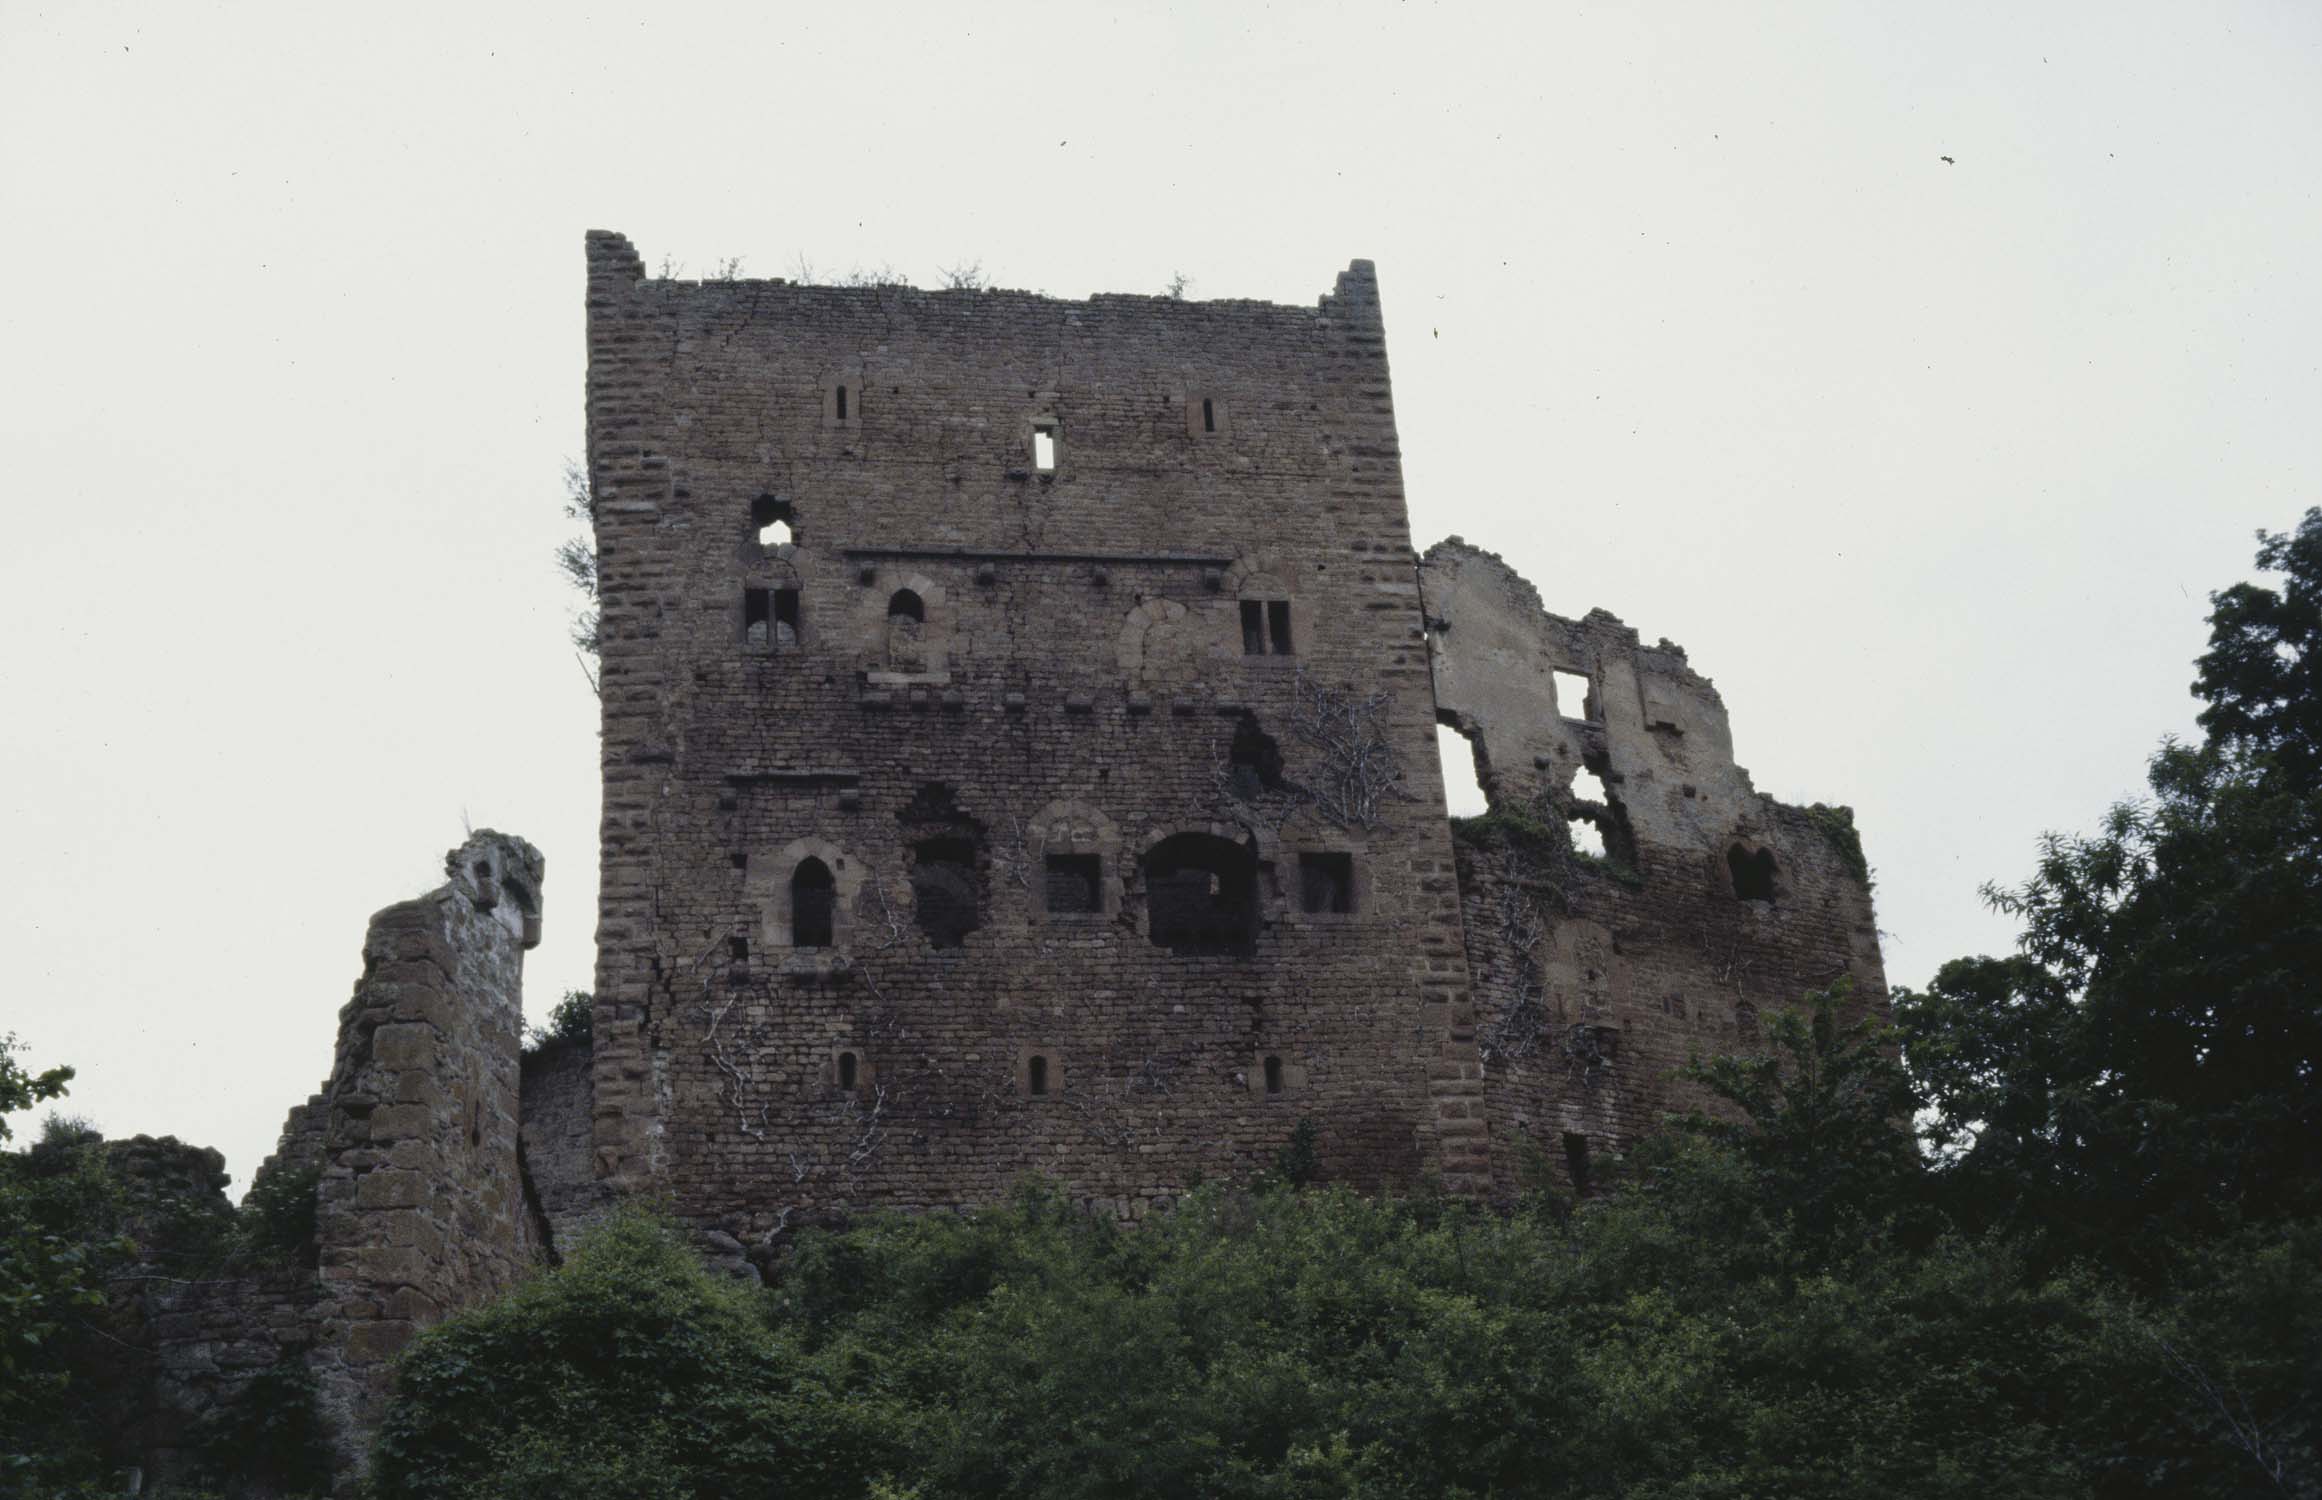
2148,1069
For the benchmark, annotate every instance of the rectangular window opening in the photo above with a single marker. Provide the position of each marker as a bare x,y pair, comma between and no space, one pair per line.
1072,884
1253,628
757,616
1278,624
1044,449
842,403
1325,882
1036,1075
786,617
1574,698
738,948
1208,415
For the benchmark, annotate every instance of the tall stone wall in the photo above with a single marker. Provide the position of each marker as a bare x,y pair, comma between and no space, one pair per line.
1711,907
420,1207
1071,593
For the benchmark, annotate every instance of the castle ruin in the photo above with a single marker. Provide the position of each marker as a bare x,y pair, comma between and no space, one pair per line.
1019,749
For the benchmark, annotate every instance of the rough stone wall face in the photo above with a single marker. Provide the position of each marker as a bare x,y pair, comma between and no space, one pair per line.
420,1207
962,667
555,1124
1595,979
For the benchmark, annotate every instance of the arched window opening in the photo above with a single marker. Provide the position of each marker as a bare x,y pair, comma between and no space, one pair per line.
1202,895
906,632
847,1071
772,518
813,902
943,890
1753,873
1273,1075
1036,1075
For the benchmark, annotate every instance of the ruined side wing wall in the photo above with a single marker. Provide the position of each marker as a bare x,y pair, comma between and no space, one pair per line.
1595,978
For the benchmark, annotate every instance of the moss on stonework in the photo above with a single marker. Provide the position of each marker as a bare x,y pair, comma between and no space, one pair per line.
1518,832
1837,825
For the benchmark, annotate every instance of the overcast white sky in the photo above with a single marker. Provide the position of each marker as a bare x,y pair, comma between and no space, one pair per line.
1929,464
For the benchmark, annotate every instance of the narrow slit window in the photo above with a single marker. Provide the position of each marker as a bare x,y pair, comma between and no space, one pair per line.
786,617
1036,1075
757,616
1044,448
1273,1075
847,1071
1208,415
1278,625
842,403
1253,628
1072,884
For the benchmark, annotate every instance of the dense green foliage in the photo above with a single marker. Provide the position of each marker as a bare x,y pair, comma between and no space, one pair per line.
60,1234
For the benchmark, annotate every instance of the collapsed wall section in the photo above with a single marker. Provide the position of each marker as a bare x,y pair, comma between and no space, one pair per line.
1710,905
1018,750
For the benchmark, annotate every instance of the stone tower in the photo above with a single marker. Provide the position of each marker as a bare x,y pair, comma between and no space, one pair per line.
1018,747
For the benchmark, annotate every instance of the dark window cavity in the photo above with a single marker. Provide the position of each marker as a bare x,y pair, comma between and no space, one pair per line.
907,605
1036,1075
1072,883
1753,873
1266,627
847,1071
738,948
1202,894
1576,1159
813,900
1208,415
943,890
1273,1075
842,403
1253,762
1325,882
770,617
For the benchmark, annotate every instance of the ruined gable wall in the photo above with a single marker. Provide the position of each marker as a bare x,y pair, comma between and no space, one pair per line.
1076,686
1595,979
